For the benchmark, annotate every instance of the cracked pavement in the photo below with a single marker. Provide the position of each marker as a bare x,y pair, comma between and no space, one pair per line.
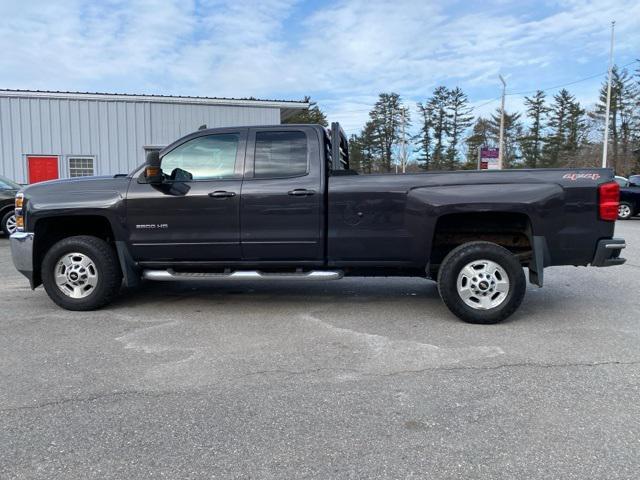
360,378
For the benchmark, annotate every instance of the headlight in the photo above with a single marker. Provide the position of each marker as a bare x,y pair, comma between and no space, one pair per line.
19,212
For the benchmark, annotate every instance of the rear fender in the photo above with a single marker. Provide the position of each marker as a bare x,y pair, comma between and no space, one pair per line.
542,203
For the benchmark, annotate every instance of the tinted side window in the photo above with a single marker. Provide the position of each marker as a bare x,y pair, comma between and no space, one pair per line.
280,154
210,157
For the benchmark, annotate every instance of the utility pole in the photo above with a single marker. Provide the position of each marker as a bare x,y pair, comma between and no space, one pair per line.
606,118
501,146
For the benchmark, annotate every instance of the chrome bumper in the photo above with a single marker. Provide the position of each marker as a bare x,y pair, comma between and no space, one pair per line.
22,253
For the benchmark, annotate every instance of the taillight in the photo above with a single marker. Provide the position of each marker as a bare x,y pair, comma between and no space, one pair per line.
19,214
609,201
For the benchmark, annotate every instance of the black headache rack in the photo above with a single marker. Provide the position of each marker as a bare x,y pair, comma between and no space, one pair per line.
338,151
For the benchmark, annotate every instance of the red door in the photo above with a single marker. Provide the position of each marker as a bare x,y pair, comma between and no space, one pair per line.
42,168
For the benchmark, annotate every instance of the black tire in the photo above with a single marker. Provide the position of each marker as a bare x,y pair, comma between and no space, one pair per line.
3,223
105,260
462,256
627,213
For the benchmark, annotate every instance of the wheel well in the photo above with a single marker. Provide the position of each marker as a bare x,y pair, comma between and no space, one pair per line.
509,230
631,203
49,231
5,209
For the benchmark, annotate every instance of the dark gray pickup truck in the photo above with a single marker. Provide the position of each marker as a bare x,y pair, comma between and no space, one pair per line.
280,202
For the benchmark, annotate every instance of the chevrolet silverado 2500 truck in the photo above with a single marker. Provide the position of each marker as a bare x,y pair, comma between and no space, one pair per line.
280,202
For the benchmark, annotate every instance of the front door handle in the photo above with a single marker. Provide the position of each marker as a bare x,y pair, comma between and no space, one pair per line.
222,194
301,192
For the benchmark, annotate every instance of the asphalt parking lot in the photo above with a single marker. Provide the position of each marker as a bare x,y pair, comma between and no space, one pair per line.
361,378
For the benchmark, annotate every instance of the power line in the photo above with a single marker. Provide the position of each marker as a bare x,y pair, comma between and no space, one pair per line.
567,84
476,107
487,102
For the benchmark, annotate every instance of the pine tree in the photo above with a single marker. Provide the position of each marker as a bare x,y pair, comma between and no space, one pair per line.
435,129
371,153
313,115
512,135
356,153
385,118
623,116
531,144
441,124
480,137
558,124
424,138
459,113
575,134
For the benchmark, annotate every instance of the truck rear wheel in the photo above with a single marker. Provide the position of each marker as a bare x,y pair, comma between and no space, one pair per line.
81,273
481,282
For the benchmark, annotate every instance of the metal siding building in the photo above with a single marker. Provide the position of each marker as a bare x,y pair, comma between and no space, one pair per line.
105,134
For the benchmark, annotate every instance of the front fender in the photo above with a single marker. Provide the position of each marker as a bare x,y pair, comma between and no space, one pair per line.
104,203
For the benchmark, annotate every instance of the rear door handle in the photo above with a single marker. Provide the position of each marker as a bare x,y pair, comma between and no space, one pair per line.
222,194
301,192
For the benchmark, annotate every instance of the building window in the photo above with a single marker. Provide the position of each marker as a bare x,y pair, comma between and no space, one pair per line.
80,167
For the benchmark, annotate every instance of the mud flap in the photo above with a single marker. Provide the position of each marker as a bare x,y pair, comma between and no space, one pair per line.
536,266
130,271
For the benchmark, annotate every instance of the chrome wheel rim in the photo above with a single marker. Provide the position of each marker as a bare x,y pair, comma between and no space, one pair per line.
483,284
76,275
11,224
624,211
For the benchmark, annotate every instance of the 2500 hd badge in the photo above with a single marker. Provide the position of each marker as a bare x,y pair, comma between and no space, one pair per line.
151,226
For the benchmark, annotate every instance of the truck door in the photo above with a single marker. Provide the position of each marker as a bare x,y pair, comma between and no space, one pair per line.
195,214
282,208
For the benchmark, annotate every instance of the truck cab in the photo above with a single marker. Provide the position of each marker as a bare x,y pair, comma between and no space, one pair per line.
251,195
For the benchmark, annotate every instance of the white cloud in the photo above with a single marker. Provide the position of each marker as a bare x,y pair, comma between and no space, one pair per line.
343,53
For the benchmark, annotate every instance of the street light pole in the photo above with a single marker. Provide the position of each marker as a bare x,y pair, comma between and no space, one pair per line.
606,117
501,146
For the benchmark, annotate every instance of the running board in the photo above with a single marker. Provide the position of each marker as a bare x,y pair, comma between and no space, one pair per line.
171,275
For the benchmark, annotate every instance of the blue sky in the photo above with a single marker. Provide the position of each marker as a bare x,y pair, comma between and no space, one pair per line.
342,53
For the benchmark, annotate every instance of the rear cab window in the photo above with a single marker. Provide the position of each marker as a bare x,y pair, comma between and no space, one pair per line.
280,154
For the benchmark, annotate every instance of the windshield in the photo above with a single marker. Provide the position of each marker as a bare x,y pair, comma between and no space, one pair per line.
6,184
623,182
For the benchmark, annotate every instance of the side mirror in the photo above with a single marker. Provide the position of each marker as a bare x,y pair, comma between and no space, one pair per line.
152,170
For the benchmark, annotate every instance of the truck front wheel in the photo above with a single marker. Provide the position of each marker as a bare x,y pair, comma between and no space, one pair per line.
81,273
481,282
